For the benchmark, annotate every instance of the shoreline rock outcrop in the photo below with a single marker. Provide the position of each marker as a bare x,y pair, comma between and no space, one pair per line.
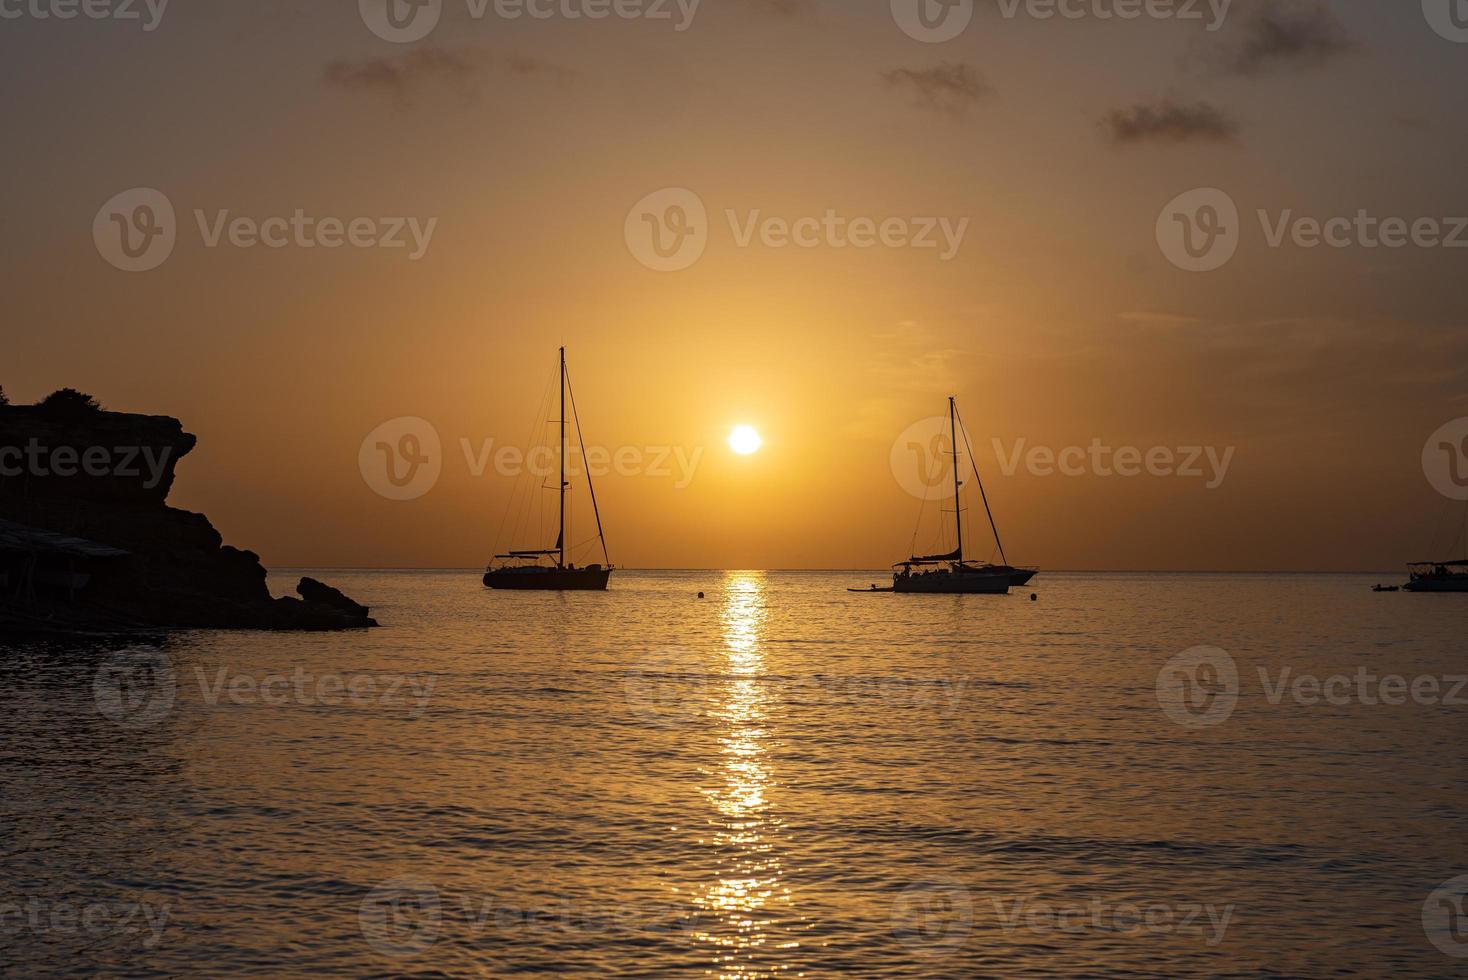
88,541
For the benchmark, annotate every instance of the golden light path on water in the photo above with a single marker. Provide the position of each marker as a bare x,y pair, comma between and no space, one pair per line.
737,910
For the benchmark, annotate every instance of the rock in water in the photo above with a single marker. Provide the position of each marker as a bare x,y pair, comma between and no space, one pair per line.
314,591
88,542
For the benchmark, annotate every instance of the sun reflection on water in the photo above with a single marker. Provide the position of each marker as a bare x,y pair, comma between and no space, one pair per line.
743,913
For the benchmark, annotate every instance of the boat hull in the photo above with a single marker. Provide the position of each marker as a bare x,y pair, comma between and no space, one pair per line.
1452,583
592,579
1018,577
953,583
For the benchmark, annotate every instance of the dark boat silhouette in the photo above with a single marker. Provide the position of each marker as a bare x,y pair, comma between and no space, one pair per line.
526,570
1438,576
951,574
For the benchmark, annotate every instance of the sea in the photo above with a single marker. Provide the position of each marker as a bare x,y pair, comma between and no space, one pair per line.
745,774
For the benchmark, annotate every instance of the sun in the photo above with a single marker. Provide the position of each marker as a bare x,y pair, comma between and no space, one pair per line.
744,440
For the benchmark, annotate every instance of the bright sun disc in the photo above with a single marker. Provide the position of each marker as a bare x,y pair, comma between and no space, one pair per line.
744,440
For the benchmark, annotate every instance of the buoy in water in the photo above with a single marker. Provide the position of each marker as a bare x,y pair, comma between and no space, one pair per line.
1034,598
700,595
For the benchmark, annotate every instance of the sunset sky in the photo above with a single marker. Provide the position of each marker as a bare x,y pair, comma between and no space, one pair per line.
1059,321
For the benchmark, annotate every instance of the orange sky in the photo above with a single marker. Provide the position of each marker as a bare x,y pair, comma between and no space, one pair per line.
1059,322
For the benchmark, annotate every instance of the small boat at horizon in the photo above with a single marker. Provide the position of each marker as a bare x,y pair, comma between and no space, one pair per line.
951,574
525,570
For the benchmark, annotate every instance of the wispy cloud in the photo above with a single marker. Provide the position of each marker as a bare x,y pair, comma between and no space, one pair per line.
462,68
1170,122
1148,318
950,88
1279,35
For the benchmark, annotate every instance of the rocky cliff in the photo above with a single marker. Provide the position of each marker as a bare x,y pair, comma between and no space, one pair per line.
104,478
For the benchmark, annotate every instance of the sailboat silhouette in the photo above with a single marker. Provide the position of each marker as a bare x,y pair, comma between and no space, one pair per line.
523,570
951,573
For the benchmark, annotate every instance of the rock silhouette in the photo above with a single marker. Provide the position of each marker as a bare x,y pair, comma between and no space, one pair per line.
88,542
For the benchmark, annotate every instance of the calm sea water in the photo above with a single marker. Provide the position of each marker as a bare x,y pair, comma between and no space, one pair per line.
782,779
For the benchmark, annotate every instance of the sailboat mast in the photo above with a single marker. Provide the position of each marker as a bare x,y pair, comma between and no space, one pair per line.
957,497
984,494
561,540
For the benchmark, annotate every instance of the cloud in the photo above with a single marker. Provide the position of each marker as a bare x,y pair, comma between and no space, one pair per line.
1148,318
1280,34
949,88
1170,122
401,76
